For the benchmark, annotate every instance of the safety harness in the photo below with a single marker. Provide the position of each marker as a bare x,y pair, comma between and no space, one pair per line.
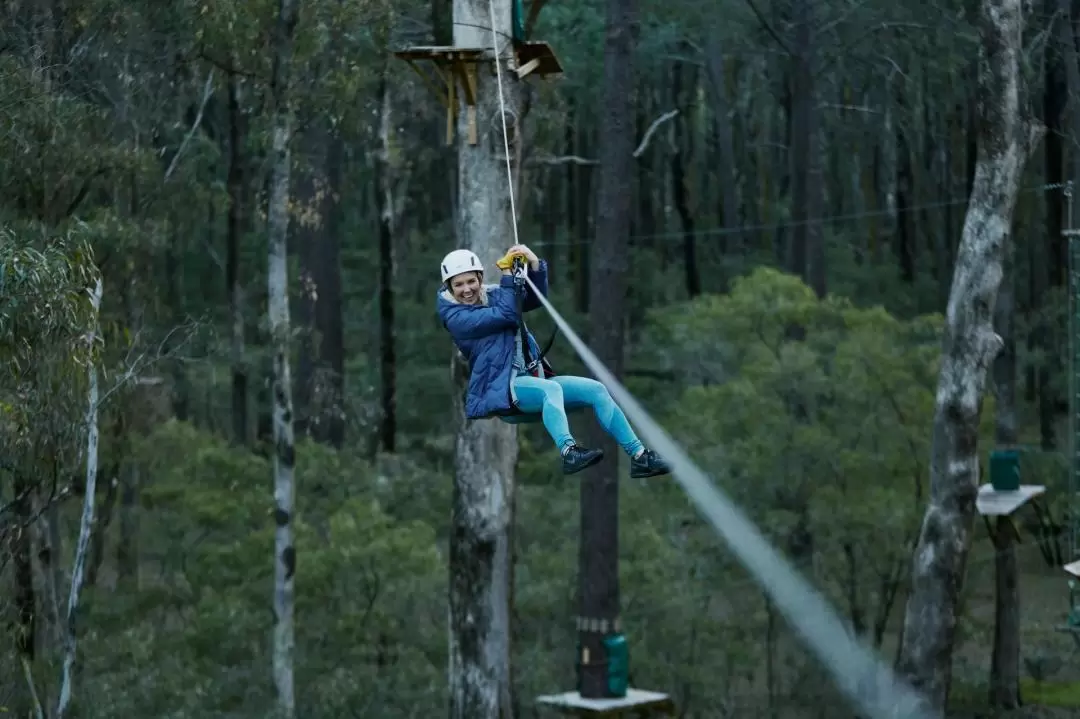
532,366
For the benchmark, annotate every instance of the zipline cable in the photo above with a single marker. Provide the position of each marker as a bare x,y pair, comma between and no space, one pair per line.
502,116
861,675
870,684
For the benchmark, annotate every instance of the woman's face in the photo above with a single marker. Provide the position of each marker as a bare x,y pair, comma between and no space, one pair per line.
466,288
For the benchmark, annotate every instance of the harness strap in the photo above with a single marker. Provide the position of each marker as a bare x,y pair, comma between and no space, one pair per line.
523,332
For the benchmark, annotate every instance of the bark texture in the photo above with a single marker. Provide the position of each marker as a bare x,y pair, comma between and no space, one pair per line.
1005,657
86,527
598,552
481,563
1005,141
277,275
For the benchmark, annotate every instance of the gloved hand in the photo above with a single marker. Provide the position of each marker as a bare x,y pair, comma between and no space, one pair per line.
506,262
528,257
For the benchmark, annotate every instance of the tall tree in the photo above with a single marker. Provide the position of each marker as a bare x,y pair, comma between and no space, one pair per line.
1005,141
234,233
481,561
598,568
277,274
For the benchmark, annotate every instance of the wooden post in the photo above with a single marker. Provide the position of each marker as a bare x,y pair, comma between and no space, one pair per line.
481,561
997,509
1005,657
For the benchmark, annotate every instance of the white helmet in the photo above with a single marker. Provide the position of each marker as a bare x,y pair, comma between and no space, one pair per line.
460,261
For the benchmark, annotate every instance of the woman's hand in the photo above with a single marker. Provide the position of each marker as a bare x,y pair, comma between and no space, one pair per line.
534,261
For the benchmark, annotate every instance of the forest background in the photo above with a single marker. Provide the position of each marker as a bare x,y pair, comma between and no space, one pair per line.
795,162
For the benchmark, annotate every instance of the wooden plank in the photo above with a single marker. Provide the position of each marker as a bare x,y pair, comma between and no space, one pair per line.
991,503
635,700
437,53
451,110
529,51
439,93
1073,568
467,73
528,67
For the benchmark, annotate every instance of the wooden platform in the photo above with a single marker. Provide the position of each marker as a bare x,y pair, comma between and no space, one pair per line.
455,74
536,58
991,503
637,702
454,67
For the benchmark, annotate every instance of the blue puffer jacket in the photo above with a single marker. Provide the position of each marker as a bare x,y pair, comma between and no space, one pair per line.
485,336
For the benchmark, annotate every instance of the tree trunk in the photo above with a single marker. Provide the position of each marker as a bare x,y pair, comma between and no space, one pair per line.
127,547
1005,141
233,286
25,625
318,384
807,254
277,226
731,246
598,564
1005,658
86,525
684,98
481,566
384,192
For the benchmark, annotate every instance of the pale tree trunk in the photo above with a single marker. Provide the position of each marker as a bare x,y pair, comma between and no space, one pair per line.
86,524
277,273
481,566
1005,141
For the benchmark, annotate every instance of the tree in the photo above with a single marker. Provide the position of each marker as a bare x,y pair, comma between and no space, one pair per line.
481,561
598,567
86,525
278,304
1005,141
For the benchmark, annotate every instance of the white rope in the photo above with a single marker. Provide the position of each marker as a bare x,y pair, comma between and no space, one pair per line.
859,673
502,115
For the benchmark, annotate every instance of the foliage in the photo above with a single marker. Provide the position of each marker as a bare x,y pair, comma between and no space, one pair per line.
46,345
814,414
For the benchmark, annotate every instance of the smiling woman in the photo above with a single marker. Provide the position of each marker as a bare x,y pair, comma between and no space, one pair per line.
508,375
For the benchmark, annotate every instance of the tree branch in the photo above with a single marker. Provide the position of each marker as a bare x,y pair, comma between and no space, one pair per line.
768,27
641,148
208,90
534,13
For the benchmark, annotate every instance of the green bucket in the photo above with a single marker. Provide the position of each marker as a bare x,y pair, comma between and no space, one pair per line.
517,18
618,660
1005,470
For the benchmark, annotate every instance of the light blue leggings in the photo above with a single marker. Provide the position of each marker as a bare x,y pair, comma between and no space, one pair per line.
547,397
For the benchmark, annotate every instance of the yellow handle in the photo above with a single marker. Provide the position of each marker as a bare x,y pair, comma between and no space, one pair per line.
507,262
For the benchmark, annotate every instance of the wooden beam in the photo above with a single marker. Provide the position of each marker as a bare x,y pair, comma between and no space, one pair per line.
439,93
451,111
528,67
470,85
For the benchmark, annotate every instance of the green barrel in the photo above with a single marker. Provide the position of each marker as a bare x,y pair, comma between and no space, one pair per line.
618,660
1005,470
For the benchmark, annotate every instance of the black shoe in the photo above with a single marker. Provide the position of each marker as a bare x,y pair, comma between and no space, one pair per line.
578,458
649,464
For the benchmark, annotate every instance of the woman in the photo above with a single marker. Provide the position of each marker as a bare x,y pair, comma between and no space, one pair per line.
486,325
